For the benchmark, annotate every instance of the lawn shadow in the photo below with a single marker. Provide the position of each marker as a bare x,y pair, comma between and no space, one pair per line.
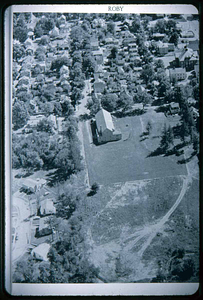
57,176
184,161
93,127
176,150
131,113
144,136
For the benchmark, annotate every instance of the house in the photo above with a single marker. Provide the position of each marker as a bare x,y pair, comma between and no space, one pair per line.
187,34
177,74
194,45
64,28
33,185
174,108
60,124
105,129
52,118
171,47
186,59
54,32
34,120
99,86
162,48
191,101
158,36
98,55
47,207
98,73
94,45
41,251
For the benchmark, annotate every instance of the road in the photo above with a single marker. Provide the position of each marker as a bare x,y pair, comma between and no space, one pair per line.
22,228
81,108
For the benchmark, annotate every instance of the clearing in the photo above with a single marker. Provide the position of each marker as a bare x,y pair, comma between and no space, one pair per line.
129,159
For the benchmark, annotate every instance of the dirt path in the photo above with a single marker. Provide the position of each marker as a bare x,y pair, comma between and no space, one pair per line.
151,231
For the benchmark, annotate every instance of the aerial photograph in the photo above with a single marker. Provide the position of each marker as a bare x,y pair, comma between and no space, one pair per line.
105,148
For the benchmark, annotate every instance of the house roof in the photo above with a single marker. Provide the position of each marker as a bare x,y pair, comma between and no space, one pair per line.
174,105
48,205
42,250
97,52
194,45
177,70
185,54
29,182
104,120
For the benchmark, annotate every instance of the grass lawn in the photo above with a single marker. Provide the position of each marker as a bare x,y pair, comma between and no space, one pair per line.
127,159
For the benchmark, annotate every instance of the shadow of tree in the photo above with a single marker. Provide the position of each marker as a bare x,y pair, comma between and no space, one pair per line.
122,114
84,117
184,161
57,176
176,150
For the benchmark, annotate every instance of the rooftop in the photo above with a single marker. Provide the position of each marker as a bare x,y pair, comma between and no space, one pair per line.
104,120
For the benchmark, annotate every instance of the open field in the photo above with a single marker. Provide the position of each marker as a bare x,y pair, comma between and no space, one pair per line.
128,159
117,216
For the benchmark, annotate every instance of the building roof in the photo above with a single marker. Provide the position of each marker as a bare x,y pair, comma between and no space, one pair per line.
174,105
177,70
48,206
42,250
29,182
97,52
194,45
104,120
186,53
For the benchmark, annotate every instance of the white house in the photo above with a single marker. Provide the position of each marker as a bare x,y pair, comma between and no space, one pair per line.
178,74
41,251
105,129
47,207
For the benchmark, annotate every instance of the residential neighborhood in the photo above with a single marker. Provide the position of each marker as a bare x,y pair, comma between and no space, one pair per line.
105,148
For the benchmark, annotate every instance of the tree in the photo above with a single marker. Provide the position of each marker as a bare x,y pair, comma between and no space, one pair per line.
146,98
111,27
109,101
88,65
20,114
44,40
174,38
149,127
170,135
160,26
59,62
164,86
164,143
43,26
45,125
93,105
18,51
114,52
125,101
136,25
20,30
147,73
40,53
